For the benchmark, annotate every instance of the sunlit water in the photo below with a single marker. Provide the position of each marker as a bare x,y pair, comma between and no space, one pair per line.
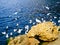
18,16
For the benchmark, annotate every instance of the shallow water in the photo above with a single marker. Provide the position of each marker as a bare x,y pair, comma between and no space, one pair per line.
17,16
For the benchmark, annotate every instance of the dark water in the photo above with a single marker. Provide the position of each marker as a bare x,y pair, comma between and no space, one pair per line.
17,16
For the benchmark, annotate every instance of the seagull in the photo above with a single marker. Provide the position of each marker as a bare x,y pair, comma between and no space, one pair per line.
19,31
15,30
7,36
38,21
30,21
3,32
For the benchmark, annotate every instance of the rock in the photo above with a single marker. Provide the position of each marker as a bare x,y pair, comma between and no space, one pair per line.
33,41
46,31
55,42
23,40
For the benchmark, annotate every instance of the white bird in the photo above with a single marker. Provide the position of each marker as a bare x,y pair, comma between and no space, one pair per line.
27,27
30,21
58,21
38,21
42,19
7,36
33,23
50,19
19,31
47,8
48,13
15,30
16,13
7,27
17,24
55,17
15,18
3,32
11,33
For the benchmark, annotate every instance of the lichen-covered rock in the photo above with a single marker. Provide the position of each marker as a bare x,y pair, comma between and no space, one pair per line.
46,31
23,40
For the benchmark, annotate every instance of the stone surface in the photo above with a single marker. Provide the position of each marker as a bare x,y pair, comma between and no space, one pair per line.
46,31
56,42
23,40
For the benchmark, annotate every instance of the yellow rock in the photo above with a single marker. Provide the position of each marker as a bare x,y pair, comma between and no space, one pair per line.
55,42
23,40
46,31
